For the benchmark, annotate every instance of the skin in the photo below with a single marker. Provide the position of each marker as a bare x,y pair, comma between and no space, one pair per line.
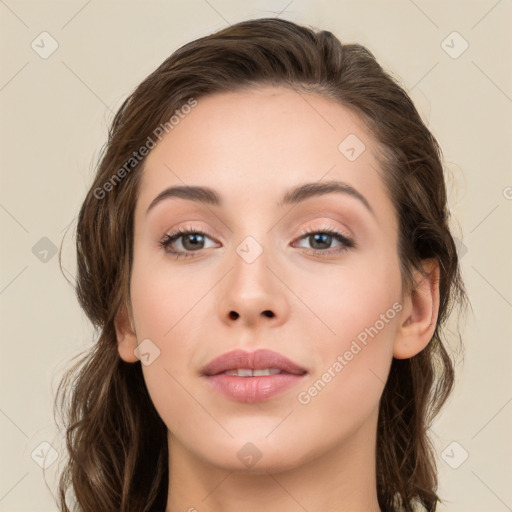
251,147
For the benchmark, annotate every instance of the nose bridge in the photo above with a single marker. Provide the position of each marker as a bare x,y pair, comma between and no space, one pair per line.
252,293
250,272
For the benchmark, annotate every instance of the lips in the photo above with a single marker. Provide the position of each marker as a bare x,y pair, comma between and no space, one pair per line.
258,360
252,376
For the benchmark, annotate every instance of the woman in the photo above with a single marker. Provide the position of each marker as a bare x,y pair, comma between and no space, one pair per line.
266,255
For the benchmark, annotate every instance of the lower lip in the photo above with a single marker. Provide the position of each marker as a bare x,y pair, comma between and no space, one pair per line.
253,389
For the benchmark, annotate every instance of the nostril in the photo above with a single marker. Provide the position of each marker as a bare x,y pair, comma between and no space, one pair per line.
233,315
268,313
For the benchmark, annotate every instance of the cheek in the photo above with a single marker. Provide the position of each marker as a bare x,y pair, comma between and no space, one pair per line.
346,388
166,304
359,310
344,300
163,297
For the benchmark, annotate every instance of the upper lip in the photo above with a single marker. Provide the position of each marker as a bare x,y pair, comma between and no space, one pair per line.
257,360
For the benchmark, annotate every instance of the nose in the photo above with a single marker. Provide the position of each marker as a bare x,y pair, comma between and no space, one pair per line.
252,294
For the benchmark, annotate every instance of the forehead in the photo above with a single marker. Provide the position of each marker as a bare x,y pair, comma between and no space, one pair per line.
257,142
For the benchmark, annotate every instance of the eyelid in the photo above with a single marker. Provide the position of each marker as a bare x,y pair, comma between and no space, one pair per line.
325,228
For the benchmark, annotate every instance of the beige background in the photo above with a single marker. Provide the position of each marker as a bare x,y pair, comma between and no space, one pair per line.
54,118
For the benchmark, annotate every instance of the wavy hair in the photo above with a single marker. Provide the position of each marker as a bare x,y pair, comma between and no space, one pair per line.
115,439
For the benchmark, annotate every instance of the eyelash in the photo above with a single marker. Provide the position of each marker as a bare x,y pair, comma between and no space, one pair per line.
347,242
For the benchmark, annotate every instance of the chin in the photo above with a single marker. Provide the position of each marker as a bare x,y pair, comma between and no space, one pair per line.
256,456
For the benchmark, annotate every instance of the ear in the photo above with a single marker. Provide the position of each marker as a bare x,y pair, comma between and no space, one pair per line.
419,315
126,337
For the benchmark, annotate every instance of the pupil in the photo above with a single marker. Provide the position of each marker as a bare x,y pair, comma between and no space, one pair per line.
323,239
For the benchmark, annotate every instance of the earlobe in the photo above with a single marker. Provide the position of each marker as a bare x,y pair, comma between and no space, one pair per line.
126,337
419,319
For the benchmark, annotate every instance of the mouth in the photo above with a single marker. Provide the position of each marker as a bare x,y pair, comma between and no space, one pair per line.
252,376
247,372
252,364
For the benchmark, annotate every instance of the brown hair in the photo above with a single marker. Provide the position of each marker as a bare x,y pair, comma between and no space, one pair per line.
117,443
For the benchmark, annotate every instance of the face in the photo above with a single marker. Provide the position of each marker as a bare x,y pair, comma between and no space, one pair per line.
313,276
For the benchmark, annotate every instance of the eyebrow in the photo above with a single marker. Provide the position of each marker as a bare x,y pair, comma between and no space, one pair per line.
296,195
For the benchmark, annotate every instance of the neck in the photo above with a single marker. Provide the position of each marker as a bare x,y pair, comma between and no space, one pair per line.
339,480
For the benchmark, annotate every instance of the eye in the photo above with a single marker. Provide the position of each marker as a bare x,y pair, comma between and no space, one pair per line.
321,241
183,243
